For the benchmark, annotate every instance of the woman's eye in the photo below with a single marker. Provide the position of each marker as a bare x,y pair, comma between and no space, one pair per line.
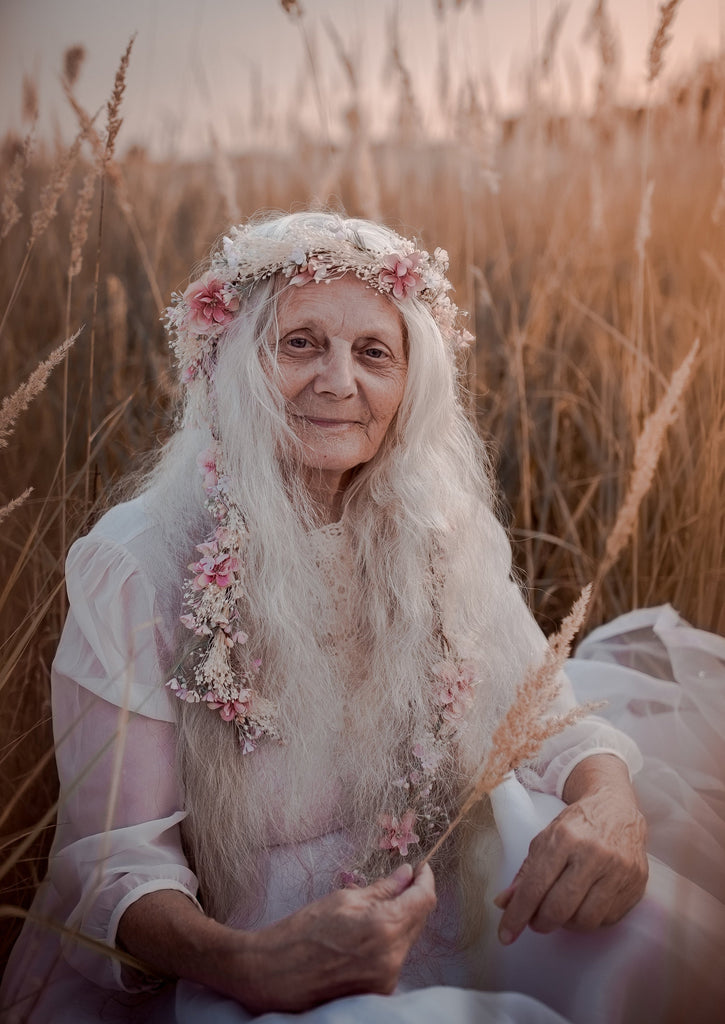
298,342
375,353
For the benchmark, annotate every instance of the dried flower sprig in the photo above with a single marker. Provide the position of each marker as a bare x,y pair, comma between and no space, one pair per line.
525,726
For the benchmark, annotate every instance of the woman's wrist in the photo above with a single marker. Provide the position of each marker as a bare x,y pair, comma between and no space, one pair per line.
595,773
175,939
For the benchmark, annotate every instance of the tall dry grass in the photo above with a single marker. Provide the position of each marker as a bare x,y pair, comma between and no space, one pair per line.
586,287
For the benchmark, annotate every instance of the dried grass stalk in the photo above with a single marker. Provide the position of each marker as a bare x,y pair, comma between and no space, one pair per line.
661,39
54,190
19,401
525,727
15,503
9,210
81,217
30,105
646,456
73,59
114,120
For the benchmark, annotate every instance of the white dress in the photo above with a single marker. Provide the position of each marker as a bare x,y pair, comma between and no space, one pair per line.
118,829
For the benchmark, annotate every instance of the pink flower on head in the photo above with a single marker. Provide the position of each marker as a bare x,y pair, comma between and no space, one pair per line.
307,272
212,303
401,275
398,835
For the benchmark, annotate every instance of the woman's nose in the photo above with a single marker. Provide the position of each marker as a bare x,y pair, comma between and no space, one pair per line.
336,374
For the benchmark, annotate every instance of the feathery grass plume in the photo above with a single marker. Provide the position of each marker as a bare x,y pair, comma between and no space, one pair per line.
524,728
81,217
15,503
55,188
599,27
21,398
9,210
646,456
644,222
719,206
118,333
551,35
661,39
407,116
113,120
73,59
30,105
224,178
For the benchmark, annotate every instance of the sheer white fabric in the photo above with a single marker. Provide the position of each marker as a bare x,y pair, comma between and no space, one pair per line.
118,827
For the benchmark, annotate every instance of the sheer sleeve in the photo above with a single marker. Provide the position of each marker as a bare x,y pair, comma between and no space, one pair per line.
120,802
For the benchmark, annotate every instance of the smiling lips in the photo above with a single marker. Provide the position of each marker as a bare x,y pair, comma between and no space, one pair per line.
327,423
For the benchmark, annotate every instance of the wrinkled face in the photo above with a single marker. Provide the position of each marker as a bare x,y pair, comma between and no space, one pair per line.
342,370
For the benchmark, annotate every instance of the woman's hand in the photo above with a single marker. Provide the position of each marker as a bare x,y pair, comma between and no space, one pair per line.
588,867
352,941
349,942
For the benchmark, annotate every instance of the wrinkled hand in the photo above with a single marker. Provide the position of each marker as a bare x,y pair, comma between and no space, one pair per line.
349,942
588,867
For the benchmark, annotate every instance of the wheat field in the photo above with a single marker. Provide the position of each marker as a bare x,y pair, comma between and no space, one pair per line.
589,249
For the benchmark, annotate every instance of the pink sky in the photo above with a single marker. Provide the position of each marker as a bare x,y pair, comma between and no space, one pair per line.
194,60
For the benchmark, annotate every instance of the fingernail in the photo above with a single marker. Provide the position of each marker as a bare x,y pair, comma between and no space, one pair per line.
403,873
505,937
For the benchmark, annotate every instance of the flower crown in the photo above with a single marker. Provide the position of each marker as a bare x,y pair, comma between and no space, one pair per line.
198,317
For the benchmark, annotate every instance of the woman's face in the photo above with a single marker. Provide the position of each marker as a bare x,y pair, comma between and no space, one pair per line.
342,370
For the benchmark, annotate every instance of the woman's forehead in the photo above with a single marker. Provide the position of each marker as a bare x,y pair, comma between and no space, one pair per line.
342,304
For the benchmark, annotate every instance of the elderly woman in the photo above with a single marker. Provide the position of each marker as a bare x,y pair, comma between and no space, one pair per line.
284,661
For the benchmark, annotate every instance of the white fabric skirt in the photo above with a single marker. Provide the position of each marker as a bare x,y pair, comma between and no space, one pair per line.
665,686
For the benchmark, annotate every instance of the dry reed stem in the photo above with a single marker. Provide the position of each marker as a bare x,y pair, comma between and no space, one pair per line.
30,107
114,120
646,456
10,211
21,398
81,217
15,503
73,59
551,35
522,731
54,190
661,39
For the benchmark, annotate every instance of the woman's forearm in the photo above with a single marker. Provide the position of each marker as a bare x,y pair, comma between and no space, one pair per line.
596,772
173,938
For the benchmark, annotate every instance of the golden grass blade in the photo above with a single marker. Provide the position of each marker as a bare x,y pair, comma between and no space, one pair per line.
13,405
15,503
523,729
646,456
661,39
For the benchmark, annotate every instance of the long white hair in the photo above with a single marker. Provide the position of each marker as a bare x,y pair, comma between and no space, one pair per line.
429,561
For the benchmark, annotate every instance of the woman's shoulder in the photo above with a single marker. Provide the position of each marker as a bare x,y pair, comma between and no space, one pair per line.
127,529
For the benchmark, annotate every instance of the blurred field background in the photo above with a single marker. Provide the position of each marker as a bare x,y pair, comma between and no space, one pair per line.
588,245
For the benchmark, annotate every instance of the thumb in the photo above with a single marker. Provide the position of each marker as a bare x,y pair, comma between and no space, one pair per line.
391,886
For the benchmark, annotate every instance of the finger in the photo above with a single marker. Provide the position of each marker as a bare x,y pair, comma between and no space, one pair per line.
538,874
394,884
564,899
595,909
504,897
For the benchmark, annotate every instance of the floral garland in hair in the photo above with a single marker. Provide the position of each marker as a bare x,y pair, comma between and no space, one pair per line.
200,315
211,599
424,818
